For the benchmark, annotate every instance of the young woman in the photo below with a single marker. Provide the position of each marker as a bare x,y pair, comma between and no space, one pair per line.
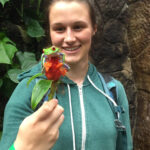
80,118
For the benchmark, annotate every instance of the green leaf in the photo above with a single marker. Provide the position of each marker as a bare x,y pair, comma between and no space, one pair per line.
8,87
34,29
0,134
26,59
1,82
13,73
29,60
28,64
33,77
3,2
39,90
31,2
7,49
38,6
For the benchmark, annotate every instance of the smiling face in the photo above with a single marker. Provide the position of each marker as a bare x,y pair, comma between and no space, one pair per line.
71,30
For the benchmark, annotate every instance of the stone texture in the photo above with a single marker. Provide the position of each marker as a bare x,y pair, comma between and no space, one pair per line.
142,130
139,46
110,46
122,48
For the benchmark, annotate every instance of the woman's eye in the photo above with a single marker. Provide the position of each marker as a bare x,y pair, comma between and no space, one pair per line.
59,29
77,27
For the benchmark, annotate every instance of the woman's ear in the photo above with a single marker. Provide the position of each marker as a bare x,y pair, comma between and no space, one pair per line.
95,29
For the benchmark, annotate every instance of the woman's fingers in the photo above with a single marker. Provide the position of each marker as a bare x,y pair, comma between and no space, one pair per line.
50,112
55,114
59,121
46,109
45,123
54,129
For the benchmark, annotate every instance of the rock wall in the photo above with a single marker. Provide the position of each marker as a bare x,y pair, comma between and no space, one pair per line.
139,47
110,51
122,49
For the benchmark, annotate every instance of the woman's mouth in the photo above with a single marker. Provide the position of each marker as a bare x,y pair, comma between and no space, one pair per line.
71,48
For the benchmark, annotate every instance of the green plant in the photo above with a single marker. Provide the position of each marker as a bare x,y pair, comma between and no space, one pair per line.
11,68
7,49
27,22
3,2
0,135
21,40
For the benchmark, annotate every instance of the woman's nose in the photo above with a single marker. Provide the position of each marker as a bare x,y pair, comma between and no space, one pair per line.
69,36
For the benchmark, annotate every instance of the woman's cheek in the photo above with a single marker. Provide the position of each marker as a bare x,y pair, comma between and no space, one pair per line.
86,36
56,39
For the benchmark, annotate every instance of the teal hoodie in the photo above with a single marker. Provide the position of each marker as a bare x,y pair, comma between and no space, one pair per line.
89,120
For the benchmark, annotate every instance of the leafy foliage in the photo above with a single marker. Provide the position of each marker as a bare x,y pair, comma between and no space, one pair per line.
3,2
0,134
21,40
34,29
1,82
39,91
7,49
20,35
26,59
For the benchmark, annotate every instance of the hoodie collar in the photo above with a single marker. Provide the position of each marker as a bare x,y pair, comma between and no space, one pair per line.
92,72
29,73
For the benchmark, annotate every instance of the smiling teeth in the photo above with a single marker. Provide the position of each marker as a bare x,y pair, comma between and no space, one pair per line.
71,49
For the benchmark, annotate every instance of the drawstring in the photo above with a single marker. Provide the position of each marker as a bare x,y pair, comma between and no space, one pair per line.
107,96
72,125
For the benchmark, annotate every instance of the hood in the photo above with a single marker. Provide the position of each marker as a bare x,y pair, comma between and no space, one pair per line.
34,70
92,72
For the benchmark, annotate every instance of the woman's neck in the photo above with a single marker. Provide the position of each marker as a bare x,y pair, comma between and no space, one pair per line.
78,72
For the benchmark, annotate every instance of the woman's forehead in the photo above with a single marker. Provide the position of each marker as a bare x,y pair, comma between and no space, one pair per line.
64,10
71,5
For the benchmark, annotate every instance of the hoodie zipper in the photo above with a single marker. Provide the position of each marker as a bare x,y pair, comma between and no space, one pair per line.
83,118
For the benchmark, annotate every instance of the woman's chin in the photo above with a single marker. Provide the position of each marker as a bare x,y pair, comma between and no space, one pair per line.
71,62
75,61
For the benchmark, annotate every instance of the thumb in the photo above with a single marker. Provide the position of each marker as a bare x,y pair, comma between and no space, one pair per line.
45,110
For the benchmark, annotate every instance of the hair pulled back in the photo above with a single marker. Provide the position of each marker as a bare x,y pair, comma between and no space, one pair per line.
50,3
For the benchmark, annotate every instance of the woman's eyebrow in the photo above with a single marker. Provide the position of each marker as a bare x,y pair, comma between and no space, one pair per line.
76,22
79,22
56,24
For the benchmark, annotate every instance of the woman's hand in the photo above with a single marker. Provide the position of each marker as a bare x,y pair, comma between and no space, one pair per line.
40,130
